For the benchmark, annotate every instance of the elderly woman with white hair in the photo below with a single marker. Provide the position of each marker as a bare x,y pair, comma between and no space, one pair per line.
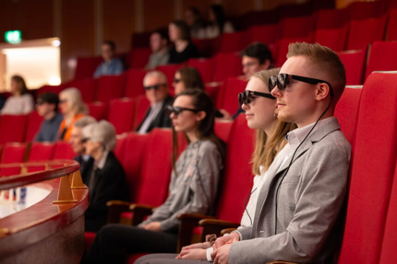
73,108
107,180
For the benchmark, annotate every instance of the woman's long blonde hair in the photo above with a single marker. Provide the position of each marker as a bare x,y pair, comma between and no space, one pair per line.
266,148
75,100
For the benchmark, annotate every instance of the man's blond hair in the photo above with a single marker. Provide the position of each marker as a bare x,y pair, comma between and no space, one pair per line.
324,60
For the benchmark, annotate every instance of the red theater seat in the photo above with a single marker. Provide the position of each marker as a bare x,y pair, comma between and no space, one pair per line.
213,90
169,71
222,130
296,27
331,18
41,151
13,128
347,111
334,39
365,10
13,153
110,87
266,34
34,123
86,67
121,114
373,165
63,150
382,57
282,49
86,87
50,89
98,110
354,62
207,47
232,42
228,95
391,34
138,58
134,83
227,65
142,105
205,67
363,32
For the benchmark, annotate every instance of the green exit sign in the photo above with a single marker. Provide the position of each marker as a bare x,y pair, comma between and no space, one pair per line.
13,36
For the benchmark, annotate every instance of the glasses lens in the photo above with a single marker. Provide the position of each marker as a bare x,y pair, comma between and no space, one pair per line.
177,80
281,81
272,82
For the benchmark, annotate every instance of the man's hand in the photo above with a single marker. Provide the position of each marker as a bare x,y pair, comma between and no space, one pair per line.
221,255
194,253
229,239
153,226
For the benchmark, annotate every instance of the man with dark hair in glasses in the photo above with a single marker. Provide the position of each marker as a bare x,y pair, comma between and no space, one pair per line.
297,216
156,88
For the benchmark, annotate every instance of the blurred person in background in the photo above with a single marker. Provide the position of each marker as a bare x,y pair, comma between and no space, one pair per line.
47,107
110,64
160,51
195,22
20,102
217,22
73,108
183,48
185,78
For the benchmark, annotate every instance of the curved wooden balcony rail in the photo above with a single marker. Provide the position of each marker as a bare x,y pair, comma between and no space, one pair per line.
51,229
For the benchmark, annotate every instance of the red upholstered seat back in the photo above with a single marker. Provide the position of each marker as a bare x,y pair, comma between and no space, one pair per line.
228,95
13,128
237,178
232,42
138,58
34,123
132,160
354,62
110,87
98,110
142,106
281,49
205,67
334,38
13,153
86,67
169,71
134,83
222,130
41,151
391,34
365,10
363,32
63,150
156,168
87,88
382,57
227,65
331,18
373,165
347,111
388,254
266,34
121,114
297,27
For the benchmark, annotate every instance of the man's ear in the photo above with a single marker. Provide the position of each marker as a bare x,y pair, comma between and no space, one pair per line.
322,91
201,115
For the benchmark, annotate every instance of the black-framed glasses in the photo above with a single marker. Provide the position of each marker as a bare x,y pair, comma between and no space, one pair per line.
155,87
248,96
176,80
283,80
177,110
84,140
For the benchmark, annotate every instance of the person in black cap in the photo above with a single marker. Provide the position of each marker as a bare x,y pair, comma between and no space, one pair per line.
47,107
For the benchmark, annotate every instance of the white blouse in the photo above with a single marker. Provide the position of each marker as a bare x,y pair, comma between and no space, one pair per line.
21,105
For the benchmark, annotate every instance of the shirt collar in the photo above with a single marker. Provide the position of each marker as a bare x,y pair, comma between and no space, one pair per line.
101,162
296,136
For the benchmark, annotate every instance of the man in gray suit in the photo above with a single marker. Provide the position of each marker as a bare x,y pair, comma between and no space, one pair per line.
299,203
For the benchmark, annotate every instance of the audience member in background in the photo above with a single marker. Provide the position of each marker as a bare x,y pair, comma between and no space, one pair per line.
20,102
2,101
187,77
270,140
160,50
76,139
110,64
156,87
195,22
47,107
73,108
107,180
254,58
183,48
217,22
193,188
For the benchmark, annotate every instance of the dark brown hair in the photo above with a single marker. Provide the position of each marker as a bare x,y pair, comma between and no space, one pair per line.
191,77
184,32
18,79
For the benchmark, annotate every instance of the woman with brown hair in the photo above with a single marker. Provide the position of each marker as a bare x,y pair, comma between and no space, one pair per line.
259,106
193,189
20,102
187,77
183,49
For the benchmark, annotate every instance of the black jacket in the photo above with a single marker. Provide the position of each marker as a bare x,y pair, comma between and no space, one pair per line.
162,119
109,184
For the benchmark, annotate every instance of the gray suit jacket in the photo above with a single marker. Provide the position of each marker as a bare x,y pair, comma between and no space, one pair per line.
309,201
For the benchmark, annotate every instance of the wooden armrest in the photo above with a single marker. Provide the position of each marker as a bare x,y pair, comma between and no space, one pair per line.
215,226
188,223
115,208
280,262
140,212
227,231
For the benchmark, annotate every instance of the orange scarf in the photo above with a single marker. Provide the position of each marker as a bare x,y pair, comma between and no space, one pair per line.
68,132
